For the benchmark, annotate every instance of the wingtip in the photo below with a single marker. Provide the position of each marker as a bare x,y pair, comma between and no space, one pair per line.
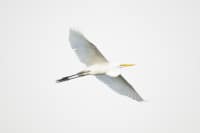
73,31
74,34
141,100
138,99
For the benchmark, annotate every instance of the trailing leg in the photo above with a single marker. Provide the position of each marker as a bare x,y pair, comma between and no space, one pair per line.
80,74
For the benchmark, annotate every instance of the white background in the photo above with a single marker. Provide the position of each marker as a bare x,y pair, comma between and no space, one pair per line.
161,37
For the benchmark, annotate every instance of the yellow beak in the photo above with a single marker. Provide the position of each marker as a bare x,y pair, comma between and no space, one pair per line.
127,65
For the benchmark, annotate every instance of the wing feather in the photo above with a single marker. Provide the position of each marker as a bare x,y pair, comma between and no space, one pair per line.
85,50
120,85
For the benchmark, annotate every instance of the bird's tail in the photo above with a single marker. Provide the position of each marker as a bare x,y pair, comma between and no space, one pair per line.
80,74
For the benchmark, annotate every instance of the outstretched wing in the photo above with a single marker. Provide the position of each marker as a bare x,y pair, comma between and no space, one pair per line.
85,50
120,85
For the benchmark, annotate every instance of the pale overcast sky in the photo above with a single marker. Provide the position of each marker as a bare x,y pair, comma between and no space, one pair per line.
161,37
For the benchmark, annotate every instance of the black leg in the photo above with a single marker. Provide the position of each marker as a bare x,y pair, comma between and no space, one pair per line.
80,74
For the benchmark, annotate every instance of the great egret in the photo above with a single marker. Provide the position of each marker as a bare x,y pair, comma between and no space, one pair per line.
99,66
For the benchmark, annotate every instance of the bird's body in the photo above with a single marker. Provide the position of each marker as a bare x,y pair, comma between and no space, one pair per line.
104,68
99,66
98,69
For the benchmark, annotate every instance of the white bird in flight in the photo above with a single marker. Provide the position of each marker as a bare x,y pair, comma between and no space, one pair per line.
99,66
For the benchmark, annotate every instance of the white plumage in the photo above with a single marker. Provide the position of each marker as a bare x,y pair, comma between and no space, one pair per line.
99,66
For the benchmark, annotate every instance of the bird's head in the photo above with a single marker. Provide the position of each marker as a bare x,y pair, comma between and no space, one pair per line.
126,65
